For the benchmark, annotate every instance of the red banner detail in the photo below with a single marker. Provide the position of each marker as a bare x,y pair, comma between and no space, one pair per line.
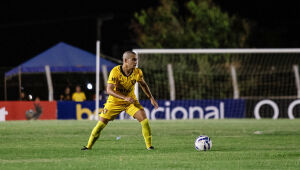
16,110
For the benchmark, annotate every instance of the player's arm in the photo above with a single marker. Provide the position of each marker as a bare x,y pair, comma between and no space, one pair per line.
111,91
147,91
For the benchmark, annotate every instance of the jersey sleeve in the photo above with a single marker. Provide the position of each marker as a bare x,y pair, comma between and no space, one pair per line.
140,75
113,76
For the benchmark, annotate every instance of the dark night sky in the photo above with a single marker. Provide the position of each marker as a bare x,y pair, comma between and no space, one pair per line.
28,29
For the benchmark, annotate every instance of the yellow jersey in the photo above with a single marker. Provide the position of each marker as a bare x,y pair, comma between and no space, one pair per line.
123,84
78,97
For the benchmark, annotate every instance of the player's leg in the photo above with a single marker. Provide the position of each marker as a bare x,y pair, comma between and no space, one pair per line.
109,112
137,111
146,130
96,132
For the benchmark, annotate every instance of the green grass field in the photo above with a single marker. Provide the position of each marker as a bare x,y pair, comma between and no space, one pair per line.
57,144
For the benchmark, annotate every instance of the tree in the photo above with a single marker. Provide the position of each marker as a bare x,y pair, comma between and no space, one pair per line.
200,24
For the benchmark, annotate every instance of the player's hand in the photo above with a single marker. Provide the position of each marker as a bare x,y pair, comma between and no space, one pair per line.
154,103
129,99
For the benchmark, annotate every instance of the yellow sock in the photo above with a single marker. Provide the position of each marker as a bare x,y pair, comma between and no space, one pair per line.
146,132
95,134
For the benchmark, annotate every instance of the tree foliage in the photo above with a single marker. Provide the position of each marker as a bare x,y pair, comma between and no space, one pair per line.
200,24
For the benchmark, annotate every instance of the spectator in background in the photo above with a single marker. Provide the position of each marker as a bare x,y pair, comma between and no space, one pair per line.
78,95
61,97
67,95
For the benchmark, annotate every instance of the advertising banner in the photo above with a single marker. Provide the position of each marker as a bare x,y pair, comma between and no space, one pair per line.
77,110
27,110
278,108
195,109
169,110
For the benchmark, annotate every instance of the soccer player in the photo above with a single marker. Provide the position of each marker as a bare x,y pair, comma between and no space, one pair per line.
120,87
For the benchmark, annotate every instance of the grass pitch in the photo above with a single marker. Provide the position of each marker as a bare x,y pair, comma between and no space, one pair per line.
237,144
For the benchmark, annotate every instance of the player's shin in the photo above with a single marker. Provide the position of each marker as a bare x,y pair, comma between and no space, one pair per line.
95,134
146,132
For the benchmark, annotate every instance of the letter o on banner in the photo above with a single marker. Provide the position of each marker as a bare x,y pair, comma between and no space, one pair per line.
291,107
181,109
263,102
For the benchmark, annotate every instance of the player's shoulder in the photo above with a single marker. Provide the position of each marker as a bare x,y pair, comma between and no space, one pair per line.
138,70
116,69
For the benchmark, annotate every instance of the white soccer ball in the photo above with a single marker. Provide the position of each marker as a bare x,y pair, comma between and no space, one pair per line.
203,143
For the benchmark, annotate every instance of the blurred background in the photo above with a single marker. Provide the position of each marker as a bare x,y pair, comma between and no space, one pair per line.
29,29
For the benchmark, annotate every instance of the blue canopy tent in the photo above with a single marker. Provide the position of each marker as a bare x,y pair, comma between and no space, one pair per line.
60,58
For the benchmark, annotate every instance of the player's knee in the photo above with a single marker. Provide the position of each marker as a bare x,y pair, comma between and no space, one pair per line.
145,122
140,115
104,120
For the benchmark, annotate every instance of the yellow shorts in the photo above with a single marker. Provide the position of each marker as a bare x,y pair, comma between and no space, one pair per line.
111,110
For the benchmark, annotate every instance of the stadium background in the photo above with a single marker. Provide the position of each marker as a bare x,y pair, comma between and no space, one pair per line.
219,94
274,26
